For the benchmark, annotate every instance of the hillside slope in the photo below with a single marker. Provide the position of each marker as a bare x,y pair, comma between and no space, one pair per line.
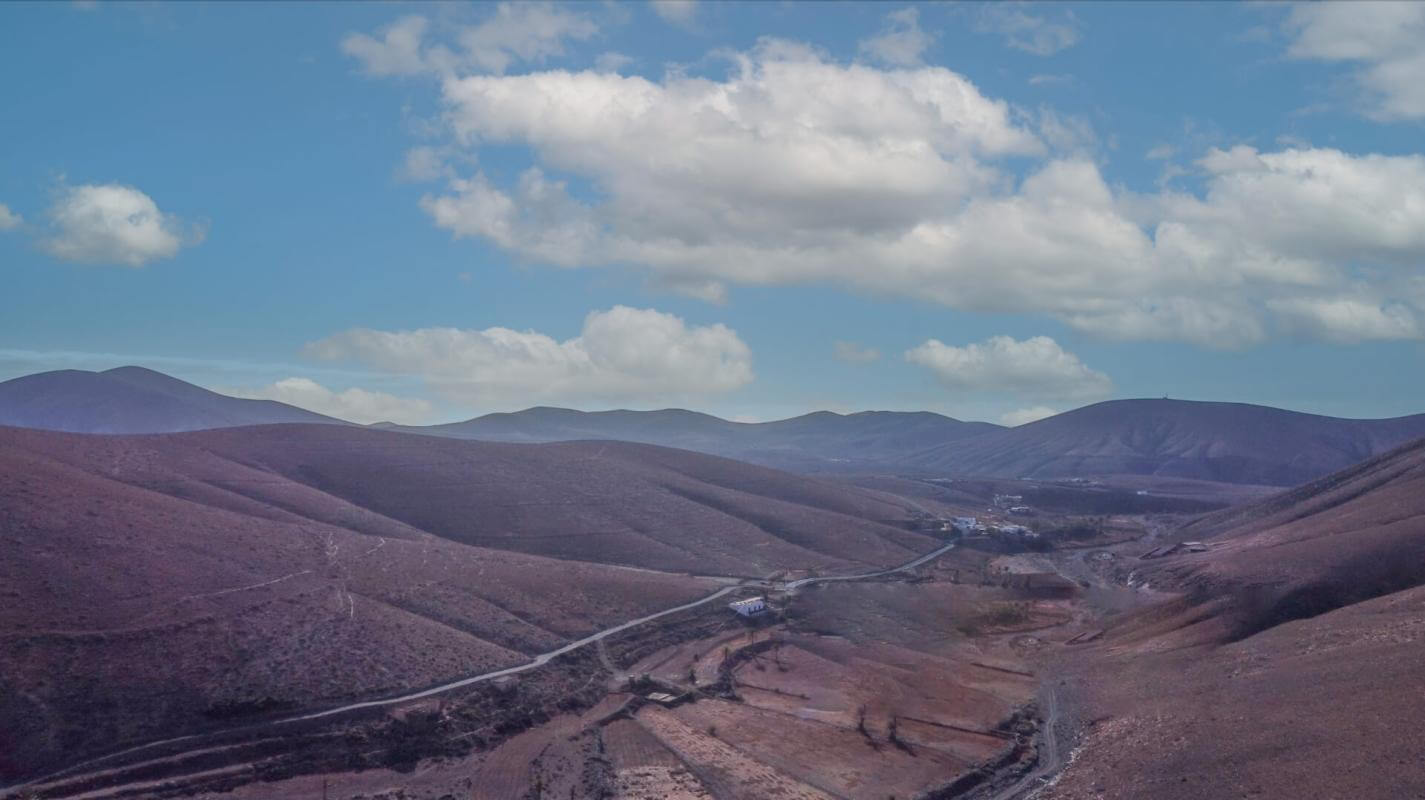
1339,540
132,400
1228,442
178,580
1289,663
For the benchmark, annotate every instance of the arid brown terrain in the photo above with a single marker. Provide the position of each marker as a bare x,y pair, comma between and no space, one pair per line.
330,611
1285,661
161,585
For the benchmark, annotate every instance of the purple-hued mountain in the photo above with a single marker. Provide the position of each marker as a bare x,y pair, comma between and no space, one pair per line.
132,400
1227,442
820,441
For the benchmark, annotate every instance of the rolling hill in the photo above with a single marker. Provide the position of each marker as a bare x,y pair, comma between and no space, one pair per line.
132,400
1349,537
1226,442
1287,664
820,441
173,580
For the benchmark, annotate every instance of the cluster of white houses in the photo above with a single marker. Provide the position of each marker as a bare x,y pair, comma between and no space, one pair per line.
971,526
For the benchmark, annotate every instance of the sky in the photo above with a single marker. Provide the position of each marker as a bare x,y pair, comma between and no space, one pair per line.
422,213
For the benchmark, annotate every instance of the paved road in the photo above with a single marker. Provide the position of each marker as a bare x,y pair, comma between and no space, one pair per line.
791,585
538,661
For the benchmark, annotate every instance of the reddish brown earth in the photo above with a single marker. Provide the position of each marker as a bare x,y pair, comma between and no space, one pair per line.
1289,663
155,585
1351,536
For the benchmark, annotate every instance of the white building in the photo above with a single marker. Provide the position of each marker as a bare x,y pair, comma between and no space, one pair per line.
964,524
750,607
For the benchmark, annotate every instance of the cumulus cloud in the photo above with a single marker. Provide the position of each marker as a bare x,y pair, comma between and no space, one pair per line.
622,355
114,224
9,220
1034,367
353,404
853,353
1024,416
1382,38
1348,320
678,12
398,51
529,32
901,41
1021,30
794,169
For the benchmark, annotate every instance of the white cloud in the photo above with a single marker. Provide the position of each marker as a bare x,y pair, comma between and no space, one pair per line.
1383,38
1161,152
794,169
423,164
622,355
1066,133
901,42
114,224
9,220
1348,320
397,52
1034,367
853,353
1040,36
353,405
1049,79
1024,416
678,12
529,32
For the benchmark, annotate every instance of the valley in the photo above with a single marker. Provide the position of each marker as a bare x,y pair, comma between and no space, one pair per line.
331,611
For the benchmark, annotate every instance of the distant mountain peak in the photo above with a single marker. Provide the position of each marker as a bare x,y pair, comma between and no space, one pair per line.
132,399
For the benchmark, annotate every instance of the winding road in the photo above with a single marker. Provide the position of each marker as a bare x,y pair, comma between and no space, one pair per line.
909,565
538,661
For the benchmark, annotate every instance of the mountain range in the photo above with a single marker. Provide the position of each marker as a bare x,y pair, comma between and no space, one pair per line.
1224,442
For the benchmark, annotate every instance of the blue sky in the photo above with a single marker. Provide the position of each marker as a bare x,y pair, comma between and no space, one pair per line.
426,212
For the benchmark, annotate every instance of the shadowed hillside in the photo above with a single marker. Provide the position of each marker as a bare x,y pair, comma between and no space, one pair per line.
132,400
1289,665
1228,442
1345,538
177,581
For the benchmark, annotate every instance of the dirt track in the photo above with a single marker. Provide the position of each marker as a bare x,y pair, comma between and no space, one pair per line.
1050,761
